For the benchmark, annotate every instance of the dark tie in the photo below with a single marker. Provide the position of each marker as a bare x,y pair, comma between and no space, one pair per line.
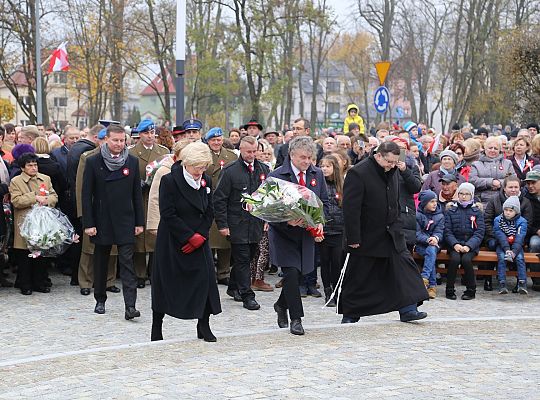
250,167
301,180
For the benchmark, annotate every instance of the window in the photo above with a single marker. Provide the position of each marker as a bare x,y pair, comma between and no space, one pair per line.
333,108
60,101
60,77
173,102
334,87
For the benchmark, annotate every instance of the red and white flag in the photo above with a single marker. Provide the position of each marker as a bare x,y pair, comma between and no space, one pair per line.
435,144
59,61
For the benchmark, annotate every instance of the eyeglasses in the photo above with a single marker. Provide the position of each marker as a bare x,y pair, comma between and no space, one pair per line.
464,194
390,162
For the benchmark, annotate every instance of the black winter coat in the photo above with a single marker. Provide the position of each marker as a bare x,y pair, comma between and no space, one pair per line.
409,184
334,219
112,201
494,208
534,225
234,180
50,167
182,283
73,158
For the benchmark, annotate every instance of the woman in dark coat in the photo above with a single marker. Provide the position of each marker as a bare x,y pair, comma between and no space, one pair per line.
381,275
183,276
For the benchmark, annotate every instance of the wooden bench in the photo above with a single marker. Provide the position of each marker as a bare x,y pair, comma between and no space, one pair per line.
485,256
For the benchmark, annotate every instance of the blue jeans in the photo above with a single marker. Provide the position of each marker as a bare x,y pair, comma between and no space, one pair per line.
430,262
501,265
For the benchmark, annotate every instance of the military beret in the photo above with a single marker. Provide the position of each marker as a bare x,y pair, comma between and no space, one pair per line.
102,133
192,124
214,132
146,125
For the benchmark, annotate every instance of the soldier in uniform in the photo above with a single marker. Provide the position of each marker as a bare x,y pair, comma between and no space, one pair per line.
146,150
221,157
192,128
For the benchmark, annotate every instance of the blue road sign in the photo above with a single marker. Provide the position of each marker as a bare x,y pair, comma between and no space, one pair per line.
382,99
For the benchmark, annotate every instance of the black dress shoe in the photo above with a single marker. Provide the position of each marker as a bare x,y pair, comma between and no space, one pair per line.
42,289
85,291
234,294
204,332
488,285
412,316
113,289
223,281
100,308
26,292
141,283
131,313
313,292
282,318
296,327
349,320
251,304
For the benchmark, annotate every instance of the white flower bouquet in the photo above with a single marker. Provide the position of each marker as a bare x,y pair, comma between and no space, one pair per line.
277,200
47,231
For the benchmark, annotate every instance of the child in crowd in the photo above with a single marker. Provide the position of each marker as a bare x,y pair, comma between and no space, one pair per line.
510,229
353,117
331,248
463,232
429,233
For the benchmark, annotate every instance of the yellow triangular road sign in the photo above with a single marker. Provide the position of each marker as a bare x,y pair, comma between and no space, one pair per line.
382,70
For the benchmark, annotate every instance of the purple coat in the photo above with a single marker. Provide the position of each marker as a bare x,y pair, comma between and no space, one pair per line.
293,246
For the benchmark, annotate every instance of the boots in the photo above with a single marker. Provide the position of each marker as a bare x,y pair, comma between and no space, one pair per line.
157,324
203,329
327,293
451,293
469,294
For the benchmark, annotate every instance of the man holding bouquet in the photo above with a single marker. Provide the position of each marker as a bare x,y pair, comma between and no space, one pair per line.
292,246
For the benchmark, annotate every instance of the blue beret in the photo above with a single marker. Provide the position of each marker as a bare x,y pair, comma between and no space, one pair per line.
102,133
146,125
214,132
193,124
107,122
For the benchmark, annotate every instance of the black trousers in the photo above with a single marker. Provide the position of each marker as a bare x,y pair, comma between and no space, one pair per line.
241,270
465,259
31,272
331,263
290,292
127,272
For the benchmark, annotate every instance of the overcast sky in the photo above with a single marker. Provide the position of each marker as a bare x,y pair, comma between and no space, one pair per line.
344,9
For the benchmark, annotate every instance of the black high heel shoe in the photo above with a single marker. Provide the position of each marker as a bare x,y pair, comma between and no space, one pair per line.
204,332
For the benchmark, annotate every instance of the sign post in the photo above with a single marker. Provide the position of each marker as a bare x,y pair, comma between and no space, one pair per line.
382,94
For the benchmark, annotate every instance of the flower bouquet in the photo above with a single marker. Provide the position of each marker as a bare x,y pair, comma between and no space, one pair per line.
47,231
152,168
277,200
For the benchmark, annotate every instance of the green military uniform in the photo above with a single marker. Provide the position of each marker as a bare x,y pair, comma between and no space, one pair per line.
144,243
217,240
86,263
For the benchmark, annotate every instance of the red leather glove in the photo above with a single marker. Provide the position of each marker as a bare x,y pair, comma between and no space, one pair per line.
197,240
188,248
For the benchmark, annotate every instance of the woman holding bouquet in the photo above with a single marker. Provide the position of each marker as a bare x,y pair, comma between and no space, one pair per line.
27,189
183,277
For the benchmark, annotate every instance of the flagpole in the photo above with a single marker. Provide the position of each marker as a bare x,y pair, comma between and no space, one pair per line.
39,89
180,58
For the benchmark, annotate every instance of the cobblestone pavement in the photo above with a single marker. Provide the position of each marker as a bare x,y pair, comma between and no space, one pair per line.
52,346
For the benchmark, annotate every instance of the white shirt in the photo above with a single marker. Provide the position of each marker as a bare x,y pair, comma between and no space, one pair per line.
297,173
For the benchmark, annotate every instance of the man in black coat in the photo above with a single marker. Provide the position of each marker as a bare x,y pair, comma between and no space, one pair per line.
301,127
291,246
113,214
381,275
244,230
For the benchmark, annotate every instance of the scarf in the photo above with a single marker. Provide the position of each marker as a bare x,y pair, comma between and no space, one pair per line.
113,164
190,181
465,204
508,226
4,174
446,171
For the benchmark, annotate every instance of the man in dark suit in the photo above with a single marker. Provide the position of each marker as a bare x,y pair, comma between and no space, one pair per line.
244,230
113,214
291,246
301,127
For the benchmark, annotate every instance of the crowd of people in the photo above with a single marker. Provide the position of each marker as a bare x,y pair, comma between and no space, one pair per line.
164,206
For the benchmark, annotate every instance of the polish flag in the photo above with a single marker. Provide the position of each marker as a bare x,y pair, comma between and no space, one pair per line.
59,61
435,144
